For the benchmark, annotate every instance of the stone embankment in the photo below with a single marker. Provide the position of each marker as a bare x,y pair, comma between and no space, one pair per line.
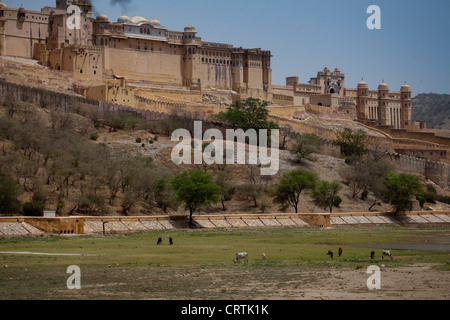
23,226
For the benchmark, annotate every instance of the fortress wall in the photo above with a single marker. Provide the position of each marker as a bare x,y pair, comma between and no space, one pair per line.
424,136
285,111
163,67
40,97
152,93
438,172
283,100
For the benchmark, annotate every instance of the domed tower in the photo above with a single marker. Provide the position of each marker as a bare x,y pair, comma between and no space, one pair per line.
405,98
102,17
101,25
21,14
155,22
191,67
383,102
189,33
124,19
361,100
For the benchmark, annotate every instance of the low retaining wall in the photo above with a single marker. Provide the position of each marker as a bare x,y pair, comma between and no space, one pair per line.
412,218
20,226
14,226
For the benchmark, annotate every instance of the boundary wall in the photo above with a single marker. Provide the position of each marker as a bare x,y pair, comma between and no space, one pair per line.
77,225
438,172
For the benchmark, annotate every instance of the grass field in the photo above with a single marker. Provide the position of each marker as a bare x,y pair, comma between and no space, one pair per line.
200,263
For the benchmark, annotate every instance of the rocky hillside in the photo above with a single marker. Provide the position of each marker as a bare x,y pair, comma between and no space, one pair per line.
432,108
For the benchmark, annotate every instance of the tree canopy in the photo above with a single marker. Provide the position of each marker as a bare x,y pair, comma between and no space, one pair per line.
195,189
400,189
247,114
291,186
326,195
352,142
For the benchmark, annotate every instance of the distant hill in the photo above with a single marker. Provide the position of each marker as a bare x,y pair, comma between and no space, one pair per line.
432,108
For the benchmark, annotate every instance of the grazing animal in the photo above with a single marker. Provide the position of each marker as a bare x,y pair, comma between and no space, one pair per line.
159,241
264,256
170,241
372,255
239,256
340,252
330,253
386,253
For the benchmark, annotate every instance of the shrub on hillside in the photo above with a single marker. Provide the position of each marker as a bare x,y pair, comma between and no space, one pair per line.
32,209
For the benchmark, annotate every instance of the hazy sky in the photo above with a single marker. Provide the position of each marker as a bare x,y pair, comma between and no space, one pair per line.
304,36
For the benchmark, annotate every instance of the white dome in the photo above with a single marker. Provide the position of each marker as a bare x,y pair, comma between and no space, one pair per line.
138,20
189,28
124,19
362,84
155,22
3,6
383,86
102,17
405,88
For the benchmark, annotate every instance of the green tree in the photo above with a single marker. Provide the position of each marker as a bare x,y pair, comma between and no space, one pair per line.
291,186
326,195
362,176
9,191
400,189
352,142
304,146
163,193
195,189
248,114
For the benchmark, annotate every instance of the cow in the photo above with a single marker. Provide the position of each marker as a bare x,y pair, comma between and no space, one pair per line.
264,256
372,255
159,241
330,253
170,241
239,256
340,252
386,253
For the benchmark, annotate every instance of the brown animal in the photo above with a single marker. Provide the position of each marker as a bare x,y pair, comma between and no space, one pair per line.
170,241
159,241
372,255
330,253
340,252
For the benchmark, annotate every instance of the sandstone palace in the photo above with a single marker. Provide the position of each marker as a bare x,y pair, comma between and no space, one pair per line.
122,58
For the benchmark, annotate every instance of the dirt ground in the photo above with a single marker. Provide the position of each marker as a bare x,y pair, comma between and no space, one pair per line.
416,282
